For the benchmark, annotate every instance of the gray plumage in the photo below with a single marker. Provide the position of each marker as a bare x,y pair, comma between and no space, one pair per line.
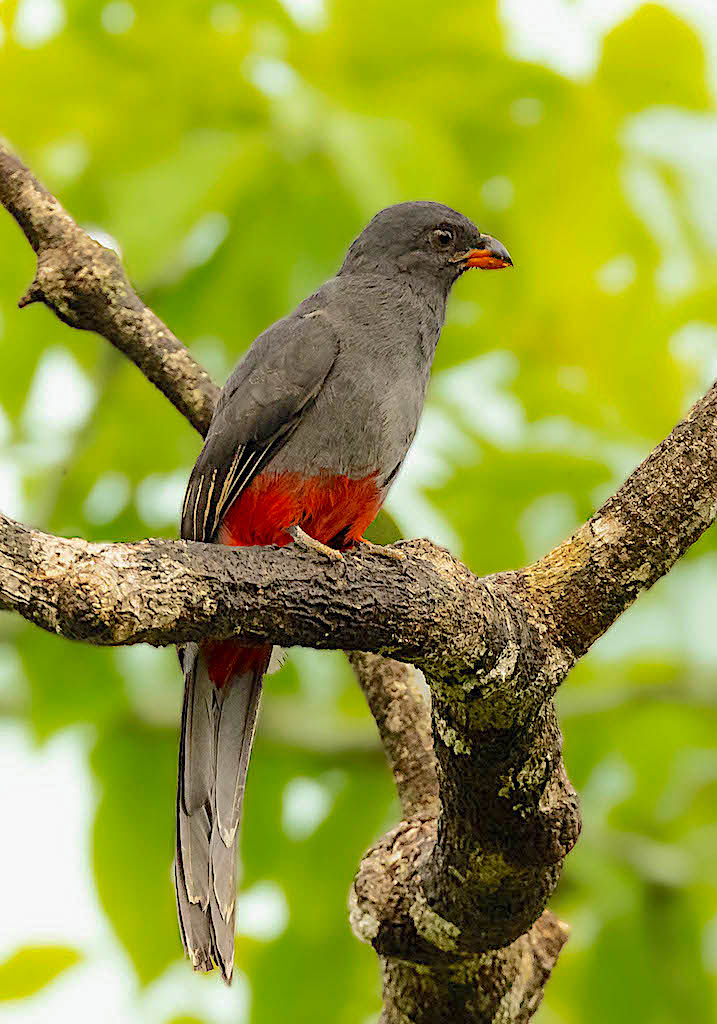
217,733
336,388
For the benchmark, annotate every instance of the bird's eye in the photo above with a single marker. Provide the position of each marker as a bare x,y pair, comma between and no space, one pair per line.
442,237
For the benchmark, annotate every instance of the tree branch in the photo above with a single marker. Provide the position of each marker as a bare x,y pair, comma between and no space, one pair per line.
403,718
489,811
165,592
504,987
86,286
636,537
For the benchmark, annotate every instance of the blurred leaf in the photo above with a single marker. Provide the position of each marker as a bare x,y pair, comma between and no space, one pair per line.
384,529
134,842
654,58
314,874
621,982
69,682
32,968
207,139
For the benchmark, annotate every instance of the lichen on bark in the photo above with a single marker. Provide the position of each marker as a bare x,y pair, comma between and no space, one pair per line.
452,899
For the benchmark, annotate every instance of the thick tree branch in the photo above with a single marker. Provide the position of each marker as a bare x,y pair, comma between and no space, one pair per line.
636,537
86,286
165,592
404,725
504,987
489,812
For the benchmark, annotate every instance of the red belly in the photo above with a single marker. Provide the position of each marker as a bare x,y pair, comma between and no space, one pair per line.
332,509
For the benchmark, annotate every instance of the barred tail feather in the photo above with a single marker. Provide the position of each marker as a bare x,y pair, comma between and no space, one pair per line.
217,732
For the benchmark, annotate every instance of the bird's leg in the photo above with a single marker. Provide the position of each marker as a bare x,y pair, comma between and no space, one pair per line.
305,541
379,549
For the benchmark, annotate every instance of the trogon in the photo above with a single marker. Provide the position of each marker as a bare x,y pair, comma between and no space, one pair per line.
308,435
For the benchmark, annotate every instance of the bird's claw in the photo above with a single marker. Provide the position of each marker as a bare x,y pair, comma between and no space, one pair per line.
379,549
303,539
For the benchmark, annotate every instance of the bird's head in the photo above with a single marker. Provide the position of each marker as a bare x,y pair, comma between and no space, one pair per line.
425,239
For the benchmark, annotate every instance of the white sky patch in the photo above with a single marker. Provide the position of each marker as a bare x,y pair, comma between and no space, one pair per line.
305,804
37,21
117,17
271,76
320,680
61,395
159,498
12,499
308,14
695,346
160,703
546,521
652,202
567,35
560,433
204,239
50,803
53,900
616,275
211,352
478,390
563,34
686,141
677,620
429,463
180,992
108,497
262,912
611,782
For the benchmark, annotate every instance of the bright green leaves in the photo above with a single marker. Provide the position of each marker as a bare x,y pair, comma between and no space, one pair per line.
314,868
135,766
654,59
30,969
69,682
233,151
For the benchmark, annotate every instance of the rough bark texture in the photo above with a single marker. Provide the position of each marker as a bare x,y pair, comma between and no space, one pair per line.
86,286
403,719
453,898
504,987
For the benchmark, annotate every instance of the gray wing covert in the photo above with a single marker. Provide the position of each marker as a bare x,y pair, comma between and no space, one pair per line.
259,407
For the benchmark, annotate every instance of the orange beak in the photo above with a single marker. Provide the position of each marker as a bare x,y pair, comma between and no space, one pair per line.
492,256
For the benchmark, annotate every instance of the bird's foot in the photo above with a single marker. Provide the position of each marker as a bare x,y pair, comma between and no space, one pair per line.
379,549
310,544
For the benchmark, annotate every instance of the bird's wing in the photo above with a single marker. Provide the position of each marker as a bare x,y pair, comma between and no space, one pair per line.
260,405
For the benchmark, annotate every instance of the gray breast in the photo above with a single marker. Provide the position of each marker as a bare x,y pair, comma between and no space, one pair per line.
366,414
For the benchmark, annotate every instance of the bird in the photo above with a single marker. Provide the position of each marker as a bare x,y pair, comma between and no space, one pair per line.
308,435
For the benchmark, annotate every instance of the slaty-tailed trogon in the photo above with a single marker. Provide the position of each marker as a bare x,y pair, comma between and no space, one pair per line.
310,431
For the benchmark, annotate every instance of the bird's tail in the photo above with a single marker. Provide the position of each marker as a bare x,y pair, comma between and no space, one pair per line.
217,731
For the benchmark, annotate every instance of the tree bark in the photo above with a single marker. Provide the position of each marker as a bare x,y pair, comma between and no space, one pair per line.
453,899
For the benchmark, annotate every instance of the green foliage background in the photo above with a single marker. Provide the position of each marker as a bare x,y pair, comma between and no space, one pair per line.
233,151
